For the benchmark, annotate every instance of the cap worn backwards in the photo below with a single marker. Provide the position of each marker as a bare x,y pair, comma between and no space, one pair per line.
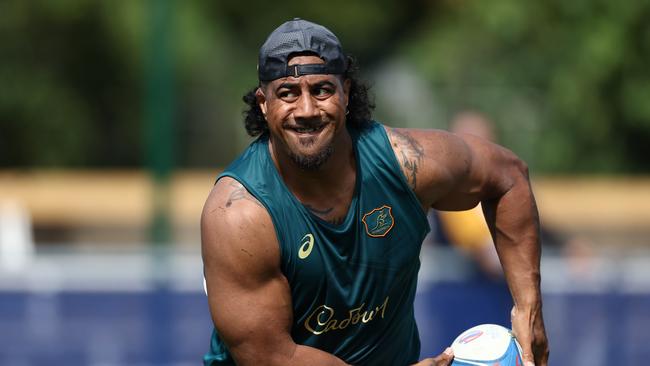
296,36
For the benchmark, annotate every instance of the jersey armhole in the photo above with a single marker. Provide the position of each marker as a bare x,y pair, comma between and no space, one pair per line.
396,166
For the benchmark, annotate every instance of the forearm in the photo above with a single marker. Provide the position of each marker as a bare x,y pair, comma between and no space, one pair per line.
305,355
262,337
514,224
290,355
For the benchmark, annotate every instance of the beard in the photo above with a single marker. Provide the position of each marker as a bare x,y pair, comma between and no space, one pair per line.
312,162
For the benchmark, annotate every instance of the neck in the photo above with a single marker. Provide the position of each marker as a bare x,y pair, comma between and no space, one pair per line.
333,176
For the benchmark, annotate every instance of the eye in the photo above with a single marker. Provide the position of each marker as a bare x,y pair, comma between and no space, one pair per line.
287,95
323,91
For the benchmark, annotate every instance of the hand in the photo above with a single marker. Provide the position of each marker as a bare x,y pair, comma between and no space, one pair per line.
528,328
443,359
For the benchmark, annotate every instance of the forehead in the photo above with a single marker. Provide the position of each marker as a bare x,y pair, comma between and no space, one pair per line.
304,80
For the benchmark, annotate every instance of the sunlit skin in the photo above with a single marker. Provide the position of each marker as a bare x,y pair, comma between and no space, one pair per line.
306,117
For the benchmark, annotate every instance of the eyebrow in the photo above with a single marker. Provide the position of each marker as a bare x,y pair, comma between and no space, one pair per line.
323,83
288,85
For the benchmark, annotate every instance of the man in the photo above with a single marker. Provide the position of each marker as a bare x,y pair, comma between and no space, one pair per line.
311,238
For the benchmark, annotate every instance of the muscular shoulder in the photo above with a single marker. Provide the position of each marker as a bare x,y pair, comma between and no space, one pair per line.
428,158
451,171
236,230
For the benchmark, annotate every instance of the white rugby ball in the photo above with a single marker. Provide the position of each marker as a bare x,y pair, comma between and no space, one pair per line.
486,345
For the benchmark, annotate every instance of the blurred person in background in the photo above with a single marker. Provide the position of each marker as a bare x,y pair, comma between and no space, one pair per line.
311,238
467,230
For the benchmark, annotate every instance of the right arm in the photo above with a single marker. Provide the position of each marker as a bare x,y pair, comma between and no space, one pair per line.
249,297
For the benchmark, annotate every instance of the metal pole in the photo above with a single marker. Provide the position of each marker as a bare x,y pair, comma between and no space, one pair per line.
159,115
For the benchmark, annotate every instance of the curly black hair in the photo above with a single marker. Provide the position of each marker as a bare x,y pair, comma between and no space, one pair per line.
360,105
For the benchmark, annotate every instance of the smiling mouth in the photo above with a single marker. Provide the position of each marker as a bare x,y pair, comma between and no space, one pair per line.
308,130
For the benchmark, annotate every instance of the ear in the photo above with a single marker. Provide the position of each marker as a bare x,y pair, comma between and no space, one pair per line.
261,100
346,90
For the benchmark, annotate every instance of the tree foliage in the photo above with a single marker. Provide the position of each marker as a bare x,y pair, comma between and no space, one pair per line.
567,82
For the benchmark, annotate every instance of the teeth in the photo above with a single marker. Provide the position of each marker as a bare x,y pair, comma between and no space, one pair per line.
306,130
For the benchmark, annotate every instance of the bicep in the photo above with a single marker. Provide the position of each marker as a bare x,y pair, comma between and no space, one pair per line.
249,298
252,320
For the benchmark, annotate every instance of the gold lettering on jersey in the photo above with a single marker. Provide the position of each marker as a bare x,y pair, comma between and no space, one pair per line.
322,320
306,247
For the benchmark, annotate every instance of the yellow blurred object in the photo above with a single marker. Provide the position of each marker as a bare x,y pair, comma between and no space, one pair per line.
118,197
466,229
605,210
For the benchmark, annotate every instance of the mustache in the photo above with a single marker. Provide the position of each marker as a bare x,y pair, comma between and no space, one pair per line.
305,123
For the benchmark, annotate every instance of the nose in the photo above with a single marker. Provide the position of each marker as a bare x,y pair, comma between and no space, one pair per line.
306,107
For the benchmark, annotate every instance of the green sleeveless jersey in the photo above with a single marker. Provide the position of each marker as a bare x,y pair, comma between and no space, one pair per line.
352,284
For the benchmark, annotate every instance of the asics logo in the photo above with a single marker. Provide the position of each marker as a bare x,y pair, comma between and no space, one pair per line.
307,242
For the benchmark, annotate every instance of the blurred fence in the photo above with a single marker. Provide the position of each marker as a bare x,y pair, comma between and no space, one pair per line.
72,307
596,306
104,307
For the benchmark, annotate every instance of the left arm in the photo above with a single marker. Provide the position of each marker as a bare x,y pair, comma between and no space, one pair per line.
456,172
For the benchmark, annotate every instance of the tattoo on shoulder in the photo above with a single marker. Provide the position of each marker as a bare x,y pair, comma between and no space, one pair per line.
240,193
409,152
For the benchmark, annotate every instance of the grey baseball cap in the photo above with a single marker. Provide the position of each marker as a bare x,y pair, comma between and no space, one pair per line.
295,36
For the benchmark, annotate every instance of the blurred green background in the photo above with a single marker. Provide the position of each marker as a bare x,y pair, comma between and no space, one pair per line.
101,84
116,116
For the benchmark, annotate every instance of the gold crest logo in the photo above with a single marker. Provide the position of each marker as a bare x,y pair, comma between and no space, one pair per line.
379,221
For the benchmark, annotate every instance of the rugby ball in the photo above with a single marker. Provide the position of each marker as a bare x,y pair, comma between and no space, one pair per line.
486,345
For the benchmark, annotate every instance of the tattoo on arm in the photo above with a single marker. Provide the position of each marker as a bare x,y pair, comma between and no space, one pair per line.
409,153
240,193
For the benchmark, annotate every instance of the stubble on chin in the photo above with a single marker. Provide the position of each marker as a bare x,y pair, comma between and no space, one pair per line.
313,161
307,141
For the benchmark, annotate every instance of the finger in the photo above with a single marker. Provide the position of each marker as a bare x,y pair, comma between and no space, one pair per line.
445,358
521,329
527,353
541,343
545,355
544,359
541,350
527,358
525,341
